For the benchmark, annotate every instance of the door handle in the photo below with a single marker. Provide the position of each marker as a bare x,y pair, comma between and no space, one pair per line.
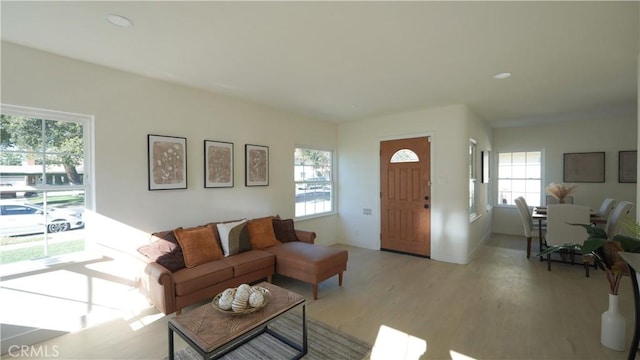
426,206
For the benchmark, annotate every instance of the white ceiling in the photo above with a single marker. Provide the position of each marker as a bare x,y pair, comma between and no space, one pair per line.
340,61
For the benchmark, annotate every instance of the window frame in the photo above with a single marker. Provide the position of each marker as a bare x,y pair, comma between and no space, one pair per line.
315,183
496,195
473,179
87,122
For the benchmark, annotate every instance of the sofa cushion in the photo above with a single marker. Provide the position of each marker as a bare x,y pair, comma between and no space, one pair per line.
250,261
284,230
164,250
233,237
261,233
190,280
199,245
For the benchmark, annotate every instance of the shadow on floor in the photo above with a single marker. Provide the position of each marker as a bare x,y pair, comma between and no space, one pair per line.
16,336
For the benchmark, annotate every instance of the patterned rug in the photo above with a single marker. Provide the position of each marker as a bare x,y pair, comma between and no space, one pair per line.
324,342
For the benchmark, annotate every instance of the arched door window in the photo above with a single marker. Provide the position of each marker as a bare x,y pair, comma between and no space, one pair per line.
404,155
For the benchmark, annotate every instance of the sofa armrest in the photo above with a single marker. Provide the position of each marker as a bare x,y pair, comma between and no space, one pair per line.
157,284
158,273
306,236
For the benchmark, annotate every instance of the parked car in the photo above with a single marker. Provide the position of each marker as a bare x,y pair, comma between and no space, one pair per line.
321,184
22,219
4,194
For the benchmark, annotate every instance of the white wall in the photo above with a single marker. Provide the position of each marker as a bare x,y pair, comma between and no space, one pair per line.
359,168
480,229
128,107
609,134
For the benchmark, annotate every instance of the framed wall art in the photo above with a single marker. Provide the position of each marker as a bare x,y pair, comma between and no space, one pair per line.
167,160
218,164
587,167
627,166
256,165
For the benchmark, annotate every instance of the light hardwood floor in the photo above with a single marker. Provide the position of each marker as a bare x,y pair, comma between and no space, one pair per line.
500,306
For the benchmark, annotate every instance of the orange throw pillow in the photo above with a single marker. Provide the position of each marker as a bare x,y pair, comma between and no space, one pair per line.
261,234
199,245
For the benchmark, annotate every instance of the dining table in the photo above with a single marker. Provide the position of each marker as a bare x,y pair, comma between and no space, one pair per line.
539,214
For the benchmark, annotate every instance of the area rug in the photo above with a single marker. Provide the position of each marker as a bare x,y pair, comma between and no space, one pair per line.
324,342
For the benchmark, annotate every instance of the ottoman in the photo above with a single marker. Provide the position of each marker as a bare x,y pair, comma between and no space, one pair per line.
309,262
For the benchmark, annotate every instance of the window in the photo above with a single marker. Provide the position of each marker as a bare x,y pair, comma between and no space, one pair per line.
520,174
43,172
313,177
473,179
404,155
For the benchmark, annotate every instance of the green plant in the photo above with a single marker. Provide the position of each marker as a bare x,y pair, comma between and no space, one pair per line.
631,226
604,252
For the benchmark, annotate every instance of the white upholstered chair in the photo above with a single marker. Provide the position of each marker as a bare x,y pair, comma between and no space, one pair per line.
527,222
560,232
606,208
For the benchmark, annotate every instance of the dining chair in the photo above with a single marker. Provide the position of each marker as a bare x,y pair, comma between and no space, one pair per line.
560,232
551,200
527,222
607,207
614,223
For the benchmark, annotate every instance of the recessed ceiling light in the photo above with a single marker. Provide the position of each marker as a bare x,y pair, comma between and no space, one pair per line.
502,75
119,20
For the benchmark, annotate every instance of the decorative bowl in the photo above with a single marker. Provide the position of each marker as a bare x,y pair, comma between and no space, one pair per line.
265,293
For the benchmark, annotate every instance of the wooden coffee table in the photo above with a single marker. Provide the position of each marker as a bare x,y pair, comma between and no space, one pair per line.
214,334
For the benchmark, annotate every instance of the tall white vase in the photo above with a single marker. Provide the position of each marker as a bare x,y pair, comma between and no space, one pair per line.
612,331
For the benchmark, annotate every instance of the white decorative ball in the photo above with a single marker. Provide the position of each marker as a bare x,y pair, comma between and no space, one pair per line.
238,305
256,299
244,287
242,294
240,300
225,302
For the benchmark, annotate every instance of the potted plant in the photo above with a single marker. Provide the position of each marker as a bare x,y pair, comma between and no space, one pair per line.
605,253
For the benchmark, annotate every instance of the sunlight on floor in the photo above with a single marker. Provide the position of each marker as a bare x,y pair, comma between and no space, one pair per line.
397,345
43,298
138,323
66,296
457,356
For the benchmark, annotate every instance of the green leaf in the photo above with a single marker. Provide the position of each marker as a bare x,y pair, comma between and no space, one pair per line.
548,250
593,231
628,244
592,244
556,248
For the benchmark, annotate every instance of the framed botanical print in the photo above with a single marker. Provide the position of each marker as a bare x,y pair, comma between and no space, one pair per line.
256,165
627,165
167,161
587,167
218,164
